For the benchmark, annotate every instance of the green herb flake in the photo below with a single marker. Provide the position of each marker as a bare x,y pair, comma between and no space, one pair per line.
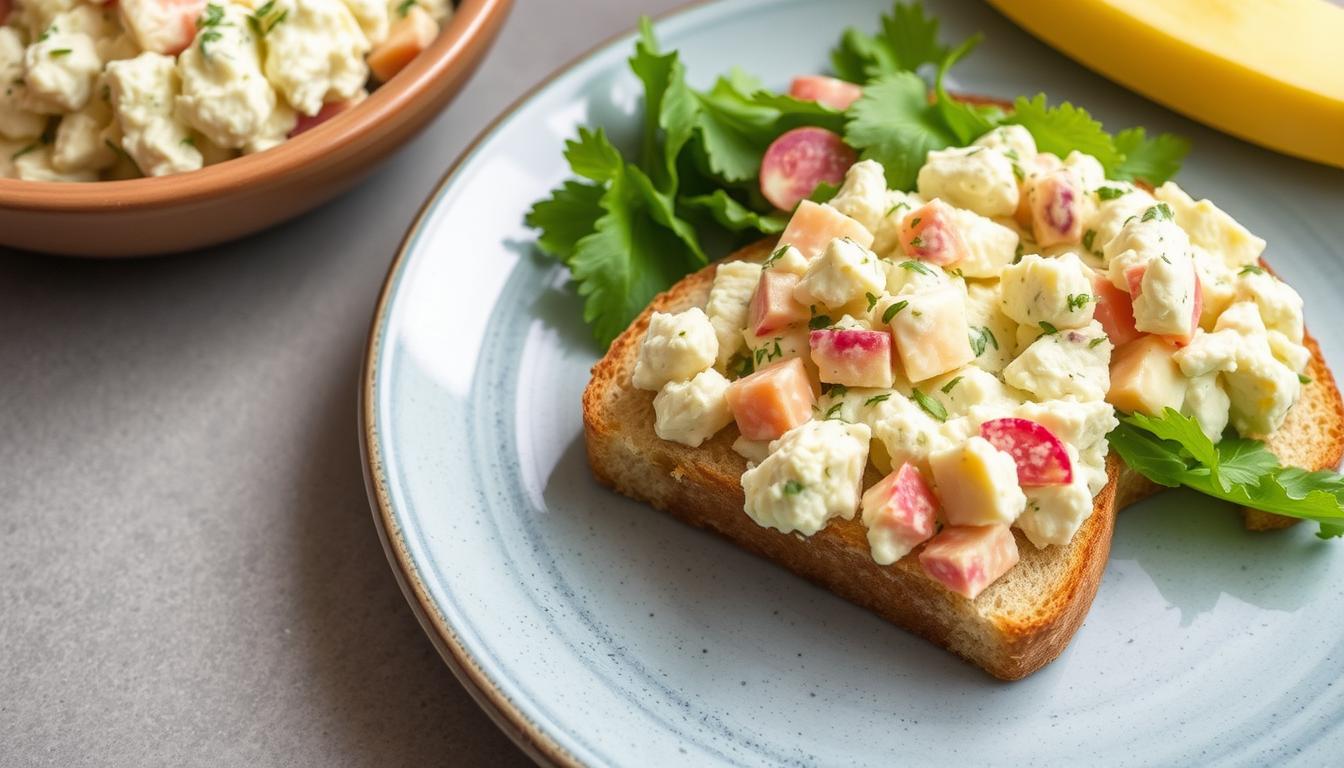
57,53
774,256
818,322
833,410
1303,379
947,388
981,339
875,399
1093,344
793,488
404,7
930,406
893,310
872,300
911,265
1251,269
1159,212
1078,301
1048,328
1111,193
25,150
1089,237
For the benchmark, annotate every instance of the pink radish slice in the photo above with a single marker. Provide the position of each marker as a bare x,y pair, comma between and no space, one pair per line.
799,160
1040,456
826,91
929,233
1056,210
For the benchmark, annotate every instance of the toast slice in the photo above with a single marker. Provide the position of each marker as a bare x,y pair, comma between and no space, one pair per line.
1016,626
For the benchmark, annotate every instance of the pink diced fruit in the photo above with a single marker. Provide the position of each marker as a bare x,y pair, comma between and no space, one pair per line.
826,91
162,26
968,558
854,357
329,110
902,504
800,159
773,400
813,226
930,234
1040,456
1114,309
773,306
1056,210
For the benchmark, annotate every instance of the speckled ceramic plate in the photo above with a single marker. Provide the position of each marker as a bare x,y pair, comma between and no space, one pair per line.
599,631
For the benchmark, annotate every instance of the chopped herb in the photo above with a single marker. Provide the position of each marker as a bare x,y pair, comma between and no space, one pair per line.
759,356
982,338
834,409
1017,252
30,148
875,399
1089,237
266,19
872,301
214,15
915,266
1048,328
917,242
1110,193
405,6
956,272
774,256
819,321
775,352
930,406
1017,170
57,53
1078,301
741,365
793,488
947,388
1011,154
1251,269
915,221
895,208
1303,379
837,390
48,32
1160,212
208,36
1095,342
892,310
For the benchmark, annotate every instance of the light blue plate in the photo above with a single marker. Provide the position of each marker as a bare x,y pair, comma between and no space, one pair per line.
598,631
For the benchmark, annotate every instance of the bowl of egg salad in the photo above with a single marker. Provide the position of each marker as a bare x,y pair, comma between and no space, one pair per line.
141,127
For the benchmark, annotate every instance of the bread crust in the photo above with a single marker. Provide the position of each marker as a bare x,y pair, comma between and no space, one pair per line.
1016,626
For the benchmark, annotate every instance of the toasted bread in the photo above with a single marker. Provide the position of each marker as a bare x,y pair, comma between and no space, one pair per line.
1016,626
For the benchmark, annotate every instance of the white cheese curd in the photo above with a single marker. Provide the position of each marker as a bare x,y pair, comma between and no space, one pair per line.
159,26
1242,317
35,165
1144,237
904,277
977,178
754,451
844,272
729,298
861,405
780,345
908,433
971,386
36,16
79,144
814,473
977,484
16,120
1054,513
437,9
887,236
1166,303
1056,291
863,195
1288,352
1068,364
992,333
373,16
274,132
990,246
59,73
691,412
316,54
1010,140
1261,391
1086,169
224,94
1111,215
1206,402
676,348
1210,353
788,259
1280,306
1212,229
1218,285
1080,424
143,91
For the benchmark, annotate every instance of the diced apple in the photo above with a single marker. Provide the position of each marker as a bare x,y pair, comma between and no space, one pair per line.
1114,309
854,357
1040,456
813,226
1145,378
161,26
773,400
977,483
929,233
899,513
406,38
328,111
966,559
1056,209
931,333
827,91
800,159
773,306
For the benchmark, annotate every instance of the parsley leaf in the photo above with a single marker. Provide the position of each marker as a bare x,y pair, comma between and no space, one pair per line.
565,217
1154,160
930,406
1064,128
967,122
908,39
793,488
734,216
894,124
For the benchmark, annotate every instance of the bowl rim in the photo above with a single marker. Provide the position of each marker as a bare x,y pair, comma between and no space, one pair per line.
343,135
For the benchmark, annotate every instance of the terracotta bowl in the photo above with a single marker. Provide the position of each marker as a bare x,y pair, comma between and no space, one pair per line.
152,216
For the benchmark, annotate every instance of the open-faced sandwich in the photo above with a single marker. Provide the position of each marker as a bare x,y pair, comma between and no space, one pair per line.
931,396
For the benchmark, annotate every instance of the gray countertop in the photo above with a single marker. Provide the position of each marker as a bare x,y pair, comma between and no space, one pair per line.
189,573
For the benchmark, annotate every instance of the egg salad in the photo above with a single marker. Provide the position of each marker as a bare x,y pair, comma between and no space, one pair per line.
946,363
129,88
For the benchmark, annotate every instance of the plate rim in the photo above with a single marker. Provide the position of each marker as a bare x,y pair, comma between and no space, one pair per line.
534,741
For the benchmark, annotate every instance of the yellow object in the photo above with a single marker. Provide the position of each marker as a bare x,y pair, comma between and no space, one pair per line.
1268,71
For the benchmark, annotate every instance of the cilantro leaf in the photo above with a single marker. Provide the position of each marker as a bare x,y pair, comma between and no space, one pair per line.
733,215
967,122
565,217
908,39
669,105
1064,128
592,156
894,124
1154,160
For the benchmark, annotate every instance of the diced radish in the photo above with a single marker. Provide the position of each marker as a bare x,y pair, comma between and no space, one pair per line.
1114,309
799,160
773,306
903,504
328,111
813,226
406,38
854,357
773,400
1040,456
968,558
1134,277
929,233
1040,165
827,91
1056,209
162,26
